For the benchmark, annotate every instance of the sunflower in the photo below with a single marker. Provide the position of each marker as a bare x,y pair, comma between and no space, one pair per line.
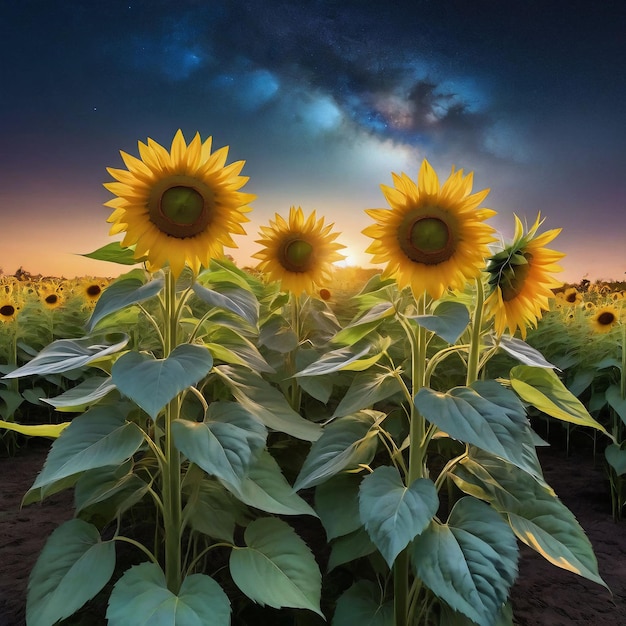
178,207
572,296
604,319
520,280
50,295
10,304
300,252
90,289
433,238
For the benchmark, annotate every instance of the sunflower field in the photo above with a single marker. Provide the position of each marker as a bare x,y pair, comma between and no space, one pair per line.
202,413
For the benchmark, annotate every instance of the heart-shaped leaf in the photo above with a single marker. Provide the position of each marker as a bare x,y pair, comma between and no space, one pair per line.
276,567
152,383
97,438
224,444
141,598
72,568
448,322
470,562
392,513
362,604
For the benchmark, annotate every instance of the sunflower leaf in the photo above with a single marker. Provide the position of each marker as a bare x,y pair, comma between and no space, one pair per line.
151,383
141,598
470,562
238,301
127,290
543,389
64,355
276,567
115,253
448,322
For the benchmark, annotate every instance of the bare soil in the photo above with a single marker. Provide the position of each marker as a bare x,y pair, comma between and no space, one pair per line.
544,595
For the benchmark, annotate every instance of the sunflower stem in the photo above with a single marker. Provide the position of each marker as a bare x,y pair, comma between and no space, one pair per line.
417,454
477,323
295,392
172,500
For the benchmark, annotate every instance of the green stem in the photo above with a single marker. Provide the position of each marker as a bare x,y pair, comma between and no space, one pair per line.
477,322
295,392
417,454
172,499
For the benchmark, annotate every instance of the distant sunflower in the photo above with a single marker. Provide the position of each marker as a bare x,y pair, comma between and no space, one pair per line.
520,279
572,296
90,289
604,319
178,207
50,296
300,252
10,305
433,238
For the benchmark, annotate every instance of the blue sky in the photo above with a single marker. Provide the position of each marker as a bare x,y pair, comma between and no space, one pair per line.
323,100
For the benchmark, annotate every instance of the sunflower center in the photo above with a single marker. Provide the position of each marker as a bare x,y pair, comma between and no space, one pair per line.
93,291
181,206
428,238
514,277
606,318
570,297
52,298
7,310
297,255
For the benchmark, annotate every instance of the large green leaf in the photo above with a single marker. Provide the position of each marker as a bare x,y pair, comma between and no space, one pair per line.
337,504
365,325
115,253
109,491
212,510
238,301
534,512
72,568
520,350
392,513
97,438
276,568
346,443
224,444
127,290
470,562
543,389
266,488
267,403
152,383
78,398
141,598
449,320
486,415
63,355
362,604
349,548
366,389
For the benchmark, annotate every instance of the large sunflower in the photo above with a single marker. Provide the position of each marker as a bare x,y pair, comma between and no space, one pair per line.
433,238
178,207
520,279
300,252
605,319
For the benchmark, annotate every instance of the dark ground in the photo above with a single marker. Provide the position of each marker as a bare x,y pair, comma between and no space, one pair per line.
544,595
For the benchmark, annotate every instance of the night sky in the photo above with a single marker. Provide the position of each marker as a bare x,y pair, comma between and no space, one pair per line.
323,100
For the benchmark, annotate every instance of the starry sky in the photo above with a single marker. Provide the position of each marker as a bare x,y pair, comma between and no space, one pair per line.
323,99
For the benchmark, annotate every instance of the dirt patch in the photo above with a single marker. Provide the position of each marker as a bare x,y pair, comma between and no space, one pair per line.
544,595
